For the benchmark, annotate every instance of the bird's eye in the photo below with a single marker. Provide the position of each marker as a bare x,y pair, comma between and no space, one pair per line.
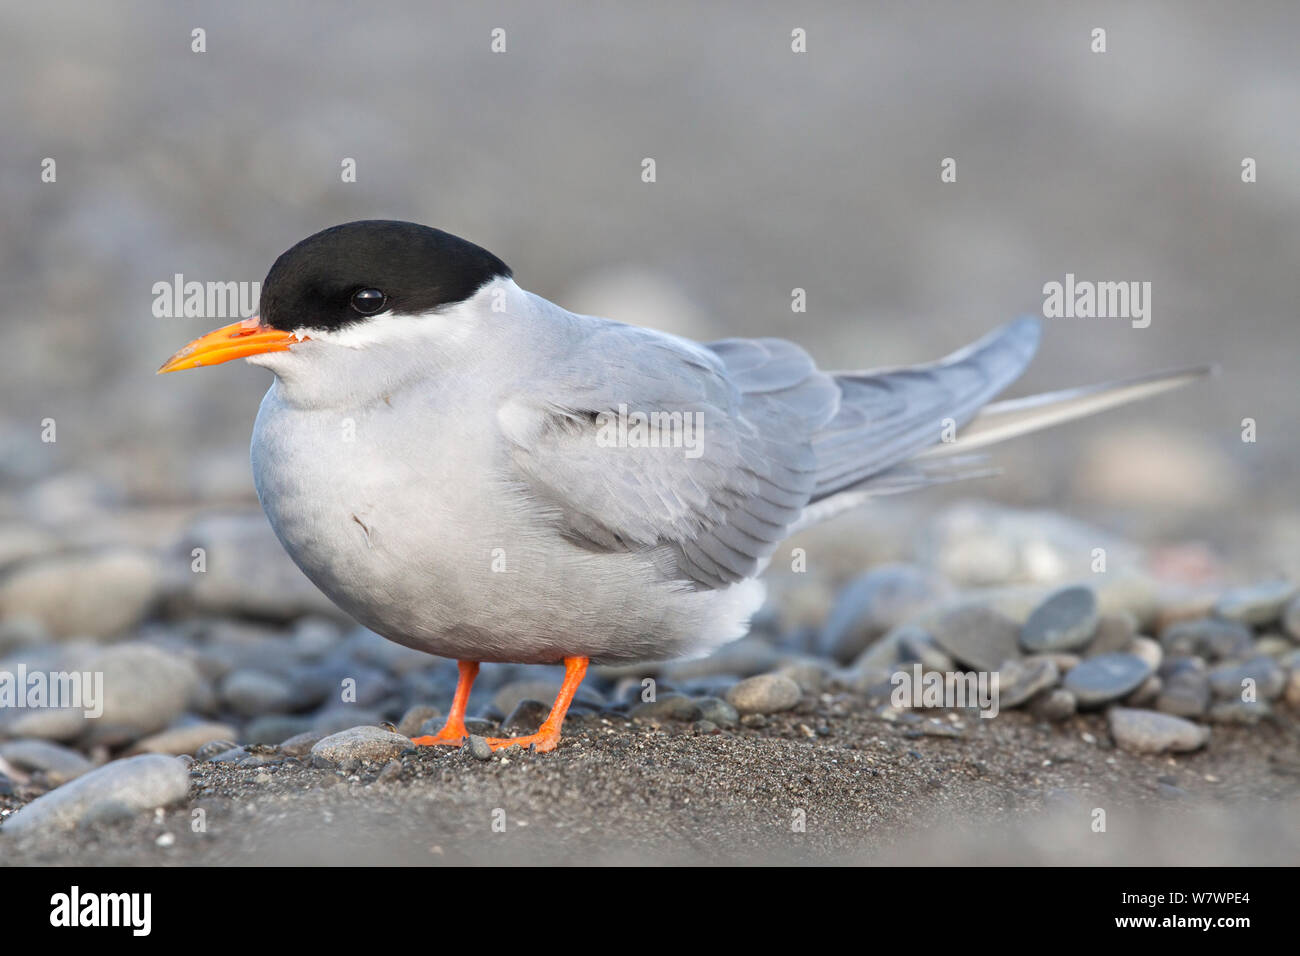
368,301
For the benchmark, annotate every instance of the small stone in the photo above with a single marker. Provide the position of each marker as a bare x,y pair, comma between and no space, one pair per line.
476,725
1185,693
1231,680
1273,645
1291,618
764,694
1056,705
59,764
527,715
392,771
1019,681
99,593
876,602
1256,604
810,675
1207,637
717,711
1239,712
250,693
1099,680
917,644
978,637
1146,694
1150,732
1149,650
299,745
183,739
359,743
1292,692
146,688
479,748
1065,621
138,783
508,696
667,707
1114,634
213,748
415,718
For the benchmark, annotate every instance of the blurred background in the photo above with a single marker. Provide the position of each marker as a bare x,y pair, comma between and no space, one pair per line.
775,170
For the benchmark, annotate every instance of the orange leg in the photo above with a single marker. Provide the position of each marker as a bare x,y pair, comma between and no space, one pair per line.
548,735
453,732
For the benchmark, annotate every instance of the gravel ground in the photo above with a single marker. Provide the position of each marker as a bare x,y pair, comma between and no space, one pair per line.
1006,790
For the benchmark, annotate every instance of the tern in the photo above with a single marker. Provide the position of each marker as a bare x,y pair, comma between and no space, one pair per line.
470,470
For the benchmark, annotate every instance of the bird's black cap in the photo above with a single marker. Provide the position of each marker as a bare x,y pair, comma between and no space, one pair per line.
347,273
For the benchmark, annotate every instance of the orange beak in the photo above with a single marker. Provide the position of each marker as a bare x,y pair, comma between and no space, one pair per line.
239,340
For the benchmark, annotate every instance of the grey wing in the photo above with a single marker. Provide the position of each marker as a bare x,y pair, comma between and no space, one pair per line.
712,511
889,415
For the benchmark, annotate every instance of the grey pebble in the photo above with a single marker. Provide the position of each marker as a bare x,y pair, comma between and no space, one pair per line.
1115,633
1099,680
251,693
298,745
667,707
146,689
1239,712
1056,705
917,644
764,694
1065,621
1269,677
1185,692
1018,681
527,715
139,783
1151,732
359,743
978,637
59,764
479,748
1291,618
1255,604
416,717
185,738
715,710
876,602
213,748
1207,637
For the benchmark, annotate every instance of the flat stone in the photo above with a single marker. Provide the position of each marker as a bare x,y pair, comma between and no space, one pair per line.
99,593
1099,680
59,764
1208,637
918,644
978,637
876,602
1239,712
1185,692
1019,681
360,743
527,715
1055,705
667,707
717,711
1114,634
137,783
251,693
1065,621
1229,680
146,688
1255,604
1150,732
184,739
764,694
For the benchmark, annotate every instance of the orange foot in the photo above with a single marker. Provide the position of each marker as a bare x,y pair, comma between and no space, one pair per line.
453,733
548,735
447,737
545,740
